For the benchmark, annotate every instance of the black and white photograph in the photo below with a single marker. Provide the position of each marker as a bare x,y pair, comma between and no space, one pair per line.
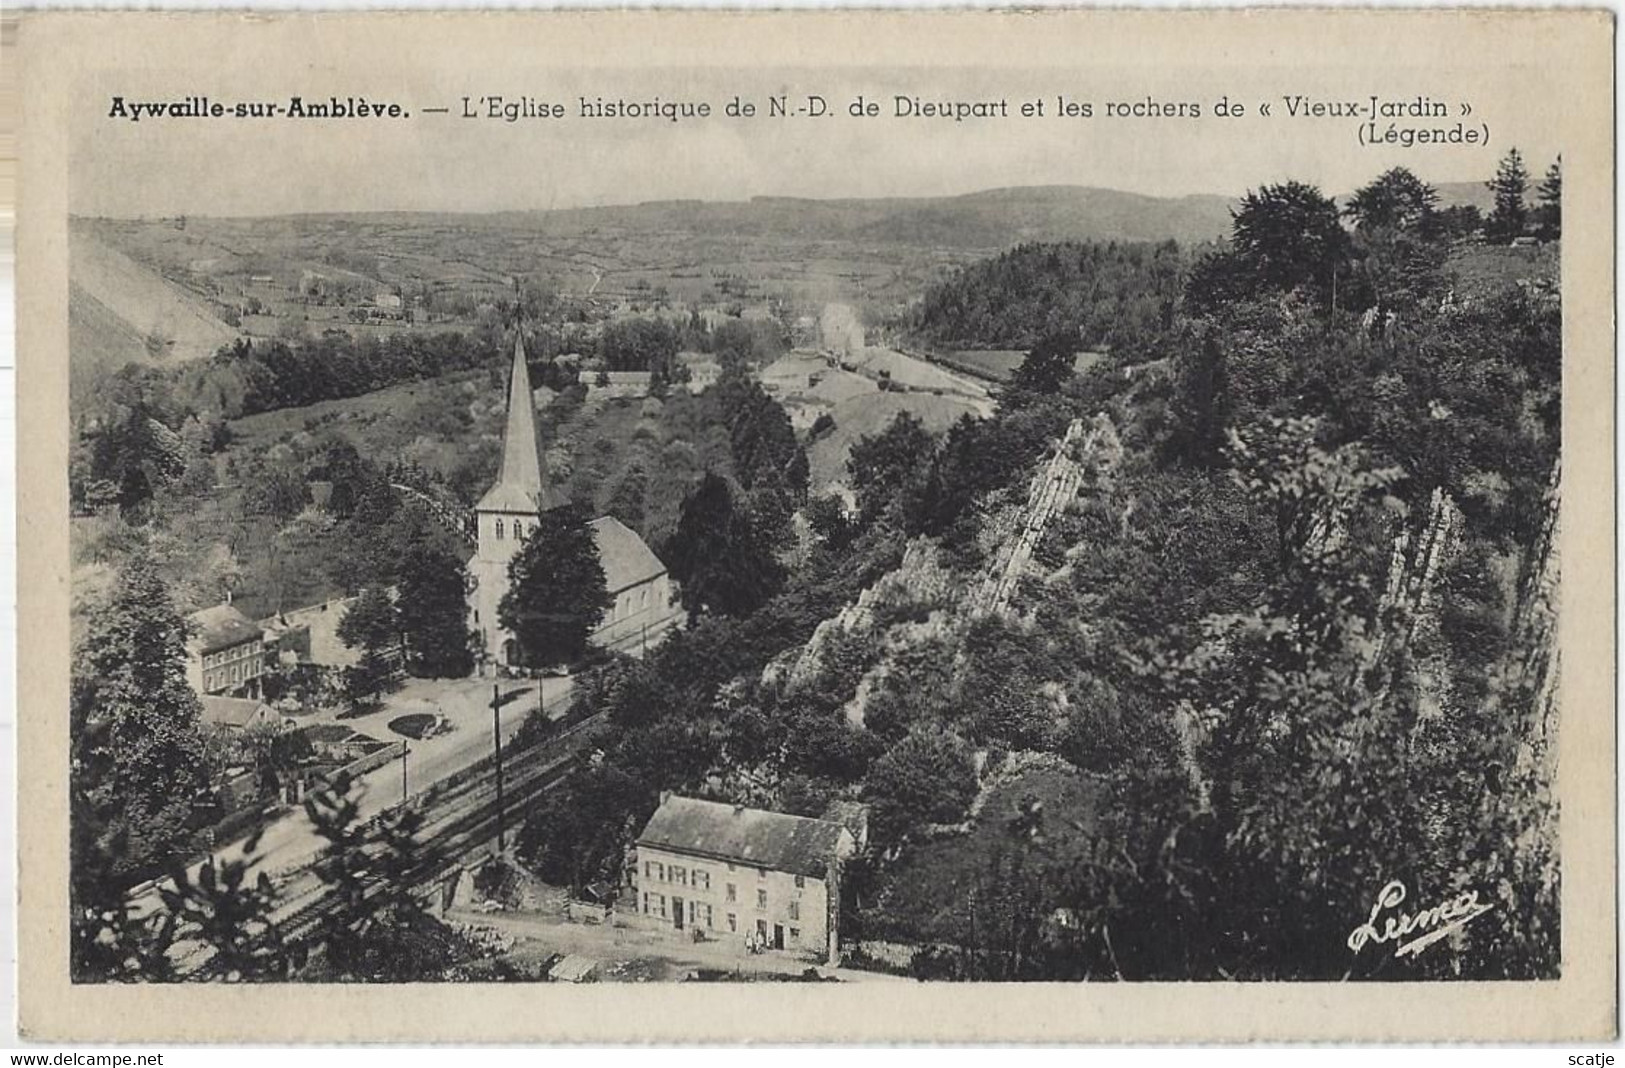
875,524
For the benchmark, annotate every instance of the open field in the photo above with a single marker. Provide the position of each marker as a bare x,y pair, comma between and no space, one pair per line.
872,413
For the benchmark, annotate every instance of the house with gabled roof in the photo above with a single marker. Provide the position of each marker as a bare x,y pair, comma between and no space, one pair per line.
729,873
225,652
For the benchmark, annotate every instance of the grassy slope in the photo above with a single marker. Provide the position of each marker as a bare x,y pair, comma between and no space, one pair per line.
871,414
146,302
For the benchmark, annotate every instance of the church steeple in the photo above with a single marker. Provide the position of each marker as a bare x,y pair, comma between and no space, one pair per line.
520,485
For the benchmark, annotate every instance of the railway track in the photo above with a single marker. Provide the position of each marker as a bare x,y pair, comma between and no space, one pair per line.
460,824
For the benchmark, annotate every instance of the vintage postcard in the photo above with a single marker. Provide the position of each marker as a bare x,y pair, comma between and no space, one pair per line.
791,526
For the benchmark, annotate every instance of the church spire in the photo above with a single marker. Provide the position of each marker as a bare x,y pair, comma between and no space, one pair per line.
520,485
521,464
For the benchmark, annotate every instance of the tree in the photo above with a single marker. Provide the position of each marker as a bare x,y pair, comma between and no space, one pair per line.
433,613
1510,215
928,777
279,494
137,757
1049,365
719,554
373,625
379,931
578,834
1287,237
889,469
1395,201
636,344
762,442
556,589
628,502
1549,216
1200,408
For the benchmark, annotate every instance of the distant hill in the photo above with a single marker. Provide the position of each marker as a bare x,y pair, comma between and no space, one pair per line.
1475,194
995,218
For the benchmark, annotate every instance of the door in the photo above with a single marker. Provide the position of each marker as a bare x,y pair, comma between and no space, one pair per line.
778,936
677,912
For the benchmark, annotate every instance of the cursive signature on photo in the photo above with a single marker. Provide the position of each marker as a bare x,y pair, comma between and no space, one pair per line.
1388,923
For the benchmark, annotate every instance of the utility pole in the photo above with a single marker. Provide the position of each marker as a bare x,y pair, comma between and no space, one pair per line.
496,734
405,747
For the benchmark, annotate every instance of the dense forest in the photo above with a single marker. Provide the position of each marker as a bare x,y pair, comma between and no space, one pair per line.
1286,639
1108,294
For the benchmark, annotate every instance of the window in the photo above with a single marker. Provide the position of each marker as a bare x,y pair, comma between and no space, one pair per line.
761,929
679,875
801,880
730,866
499,529
708,916
795,910
702,879
660,872
646,903
761,899
761,873
733,923
795,934
660,904
733,893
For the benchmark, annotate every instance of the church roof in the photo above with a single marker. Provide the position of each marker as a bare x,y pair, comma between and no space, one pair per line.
627,560
520,485
753,836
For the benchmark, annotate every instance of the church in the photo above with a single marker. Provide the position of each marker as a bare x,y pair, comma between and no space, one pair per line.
644,604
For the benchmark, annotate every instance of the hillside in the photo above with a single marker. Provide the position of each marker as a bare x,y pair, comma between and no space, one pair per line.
119,298
872,413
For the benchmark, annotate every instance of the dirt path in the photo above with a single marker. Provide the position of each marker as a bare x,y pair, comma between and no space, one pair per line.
619,945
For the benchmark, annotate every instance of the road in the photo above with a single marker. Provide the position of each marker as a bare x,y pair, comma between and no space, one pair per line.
290,842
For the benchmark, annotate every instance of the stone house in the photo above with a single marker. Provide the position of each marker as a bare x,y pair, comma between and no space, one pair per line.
706,869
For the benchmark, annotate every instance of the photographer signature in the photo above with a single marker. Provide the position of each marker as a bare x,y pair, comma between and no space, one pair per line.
1429,926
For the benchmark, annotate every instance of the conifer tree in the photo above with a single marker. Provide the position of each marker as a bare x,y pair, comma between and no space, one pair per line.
1510,215
1549,216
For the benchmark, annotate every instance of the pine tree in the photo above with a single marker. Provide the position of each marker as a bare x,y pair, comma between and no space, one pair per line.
1549,216
556,589
1510,215
137,764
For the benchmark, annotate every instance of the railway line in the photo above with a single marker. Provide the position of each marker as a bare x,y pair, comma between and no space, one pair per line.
461,823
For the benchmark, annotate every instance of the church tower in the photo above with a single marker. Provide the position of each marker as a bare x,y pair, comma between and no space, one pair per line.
508,513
